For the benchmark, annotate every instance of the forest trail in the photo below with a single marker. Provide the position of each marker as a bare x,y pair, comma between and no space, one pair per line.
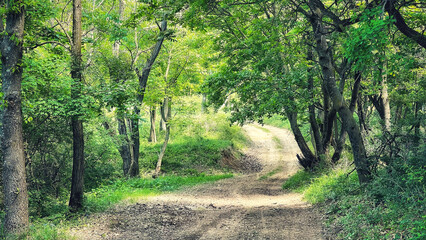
247,206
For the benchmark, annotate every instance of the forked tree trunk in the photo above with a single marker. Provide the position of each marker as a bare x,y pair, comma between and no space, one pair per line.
342,137
143,79
77,182
152,133
14,179
350,125
166,117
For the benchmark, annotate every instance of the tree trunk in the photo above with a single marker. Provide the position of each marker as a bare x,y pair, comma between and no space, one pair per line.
312,118
143,76
308,160
77,182
152,116
342,137
135,142
14,177
327,123
124,149
166,117
325,60
143,79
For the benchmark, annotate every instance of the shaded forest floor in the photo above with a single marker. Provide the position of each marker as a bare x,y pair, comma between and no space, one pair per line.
249,206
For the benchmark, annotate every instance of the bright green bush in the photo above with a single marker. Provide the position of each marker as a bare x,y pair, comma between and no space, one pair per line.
330,186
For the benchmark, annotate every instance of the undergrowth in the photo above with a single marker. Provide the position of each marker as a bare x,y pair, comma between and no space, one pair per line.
192,157
392,206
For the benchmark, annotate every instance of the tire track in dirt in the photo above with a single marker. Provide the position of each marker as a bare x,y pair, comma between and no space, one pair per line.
243,207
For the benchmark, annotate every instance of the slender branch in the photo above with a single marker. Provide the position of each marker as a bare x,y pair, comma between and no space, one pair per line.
49,42
66,33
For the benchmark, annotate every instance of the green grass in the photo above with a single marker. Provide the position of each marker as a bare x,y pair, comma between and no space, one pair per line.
300,181
102,198
330,186
186,156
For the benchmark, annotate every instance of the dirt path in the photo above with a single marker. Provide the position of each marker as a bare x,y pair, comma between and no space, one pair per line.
243,207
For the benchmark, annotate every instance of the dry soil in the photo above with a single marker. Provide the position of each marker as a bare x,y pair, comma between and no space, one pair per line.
247,206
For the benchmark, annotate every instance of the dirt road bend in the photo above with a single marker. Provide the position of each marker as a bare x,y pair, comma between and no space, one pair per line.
248,206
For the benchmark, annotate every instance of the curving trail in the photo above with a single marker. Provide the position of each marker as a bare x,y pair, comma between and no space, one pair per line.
243,207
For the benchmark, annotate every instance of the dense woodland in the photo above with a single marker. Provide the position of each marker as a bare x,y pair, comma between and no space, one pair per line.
90,87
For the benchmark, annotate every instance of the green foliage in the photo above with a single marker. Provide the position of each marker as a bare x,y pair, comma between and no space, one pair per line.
368,40
331,186
47,231
391,207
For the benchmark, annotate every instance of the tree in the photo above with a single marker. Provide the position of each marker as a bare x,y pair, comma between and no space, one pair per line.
77,182
14,176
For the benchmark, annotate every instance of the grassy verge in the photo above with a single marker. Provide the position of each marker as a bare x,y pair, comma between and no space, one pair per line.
102,198
393,206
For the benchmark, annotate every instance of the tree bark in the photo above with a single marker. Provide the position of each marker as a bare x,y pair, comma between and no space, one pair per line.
342,137
152,116
135,142
308,160
14,177
124,149
77,182
325,60
143,79
166,117
312,117
143,76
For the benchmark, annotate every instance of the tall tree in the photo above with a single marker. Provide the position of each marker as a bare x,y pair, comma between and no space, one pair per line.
143,79
327,67
77,182
14,179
